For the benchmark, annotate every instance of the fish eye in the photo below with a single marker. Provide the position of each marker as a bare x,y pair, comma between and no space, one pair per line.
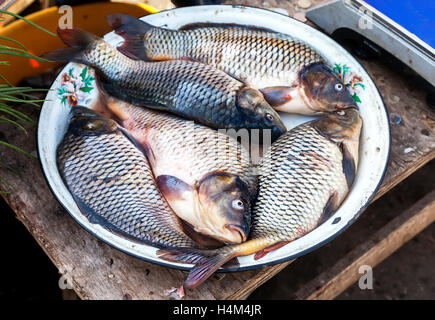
338,87
269,117
341,112
238,204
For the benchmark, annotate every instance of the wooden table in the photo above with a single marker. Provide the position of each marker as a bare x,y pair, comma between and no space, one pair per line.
97,271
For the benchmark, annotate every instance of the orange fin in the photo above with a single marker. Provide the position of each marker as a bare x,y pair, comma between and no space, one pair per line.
279,95
262,253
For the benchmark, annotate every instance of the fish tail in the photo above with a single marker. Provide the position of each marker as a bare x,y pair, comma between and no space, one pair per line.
78,41
206,263
209,261
132,30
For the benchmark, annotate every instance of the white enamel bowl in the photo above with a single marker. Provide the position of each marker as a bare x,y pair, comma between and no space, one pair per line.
374,147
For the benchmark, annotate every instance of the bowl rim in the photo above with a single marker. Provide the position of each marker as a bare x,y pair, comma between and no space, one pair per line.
319,244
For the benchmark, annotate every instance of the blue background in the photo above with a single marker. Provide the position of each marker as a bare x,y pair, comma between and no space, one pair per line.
416,16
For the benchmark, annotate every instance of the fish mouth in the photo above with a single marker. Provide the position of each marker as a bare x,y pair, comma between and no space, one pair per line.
277,132
240,230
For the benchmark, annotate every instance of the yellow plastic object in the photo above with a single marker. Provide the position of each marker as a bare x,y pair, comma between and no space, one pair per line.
90,17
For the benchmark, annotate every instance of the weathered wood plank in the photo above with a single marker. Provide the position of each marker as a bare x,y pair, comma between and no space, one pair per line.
257,280
97,271
382,244
16,7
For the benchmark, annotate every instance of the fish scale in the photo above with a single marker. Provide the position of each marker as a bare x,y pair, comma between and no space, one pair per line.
290,74
182,95
289,205
300,166
113,185
268,64
206,176
186,88
198,150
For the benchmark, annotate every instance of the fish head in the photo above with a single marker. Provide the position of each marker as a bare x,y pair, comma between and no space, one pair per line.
258,113
322,90
344,128
225,207
340,125
85,121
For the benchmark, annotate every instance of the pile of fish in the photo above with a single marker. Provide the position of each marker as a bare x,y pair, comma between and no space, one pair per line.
148,161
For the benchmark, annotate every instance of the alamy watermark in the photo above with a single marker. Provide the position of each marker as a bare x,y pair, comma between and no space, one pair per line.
366,280
66,20
64,282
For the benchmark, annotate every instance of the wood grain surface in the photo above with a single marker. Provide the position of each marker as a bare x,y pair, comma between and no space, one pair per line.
382,244
97,271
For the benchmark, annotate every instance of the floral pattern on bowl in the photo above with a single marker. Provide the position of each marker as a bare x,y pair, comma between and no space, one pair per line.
352,81
76,86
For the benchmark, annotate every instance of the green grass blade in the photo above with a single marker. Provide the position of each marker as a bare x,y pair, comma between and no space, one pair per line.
3,119
14,41
16,114
6,81
28,21
3,143
24,55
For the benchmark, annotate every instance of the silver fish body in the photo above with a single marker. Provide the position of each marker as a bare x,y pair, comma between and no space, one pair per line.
112,183
303,179
261,58
202,172
189,89
291,74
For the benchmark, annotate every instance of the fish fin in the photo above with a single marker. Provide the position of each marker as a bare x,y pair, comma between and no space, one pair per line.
348,164
205,268
77,40
126,52
241,78
172,187
330,207
181,255
88,212
104,105
205,263
233,263
109,88
63,55
262,253
138,145
279,95
185,58
101,103
76,37
199,238
132,30
96,219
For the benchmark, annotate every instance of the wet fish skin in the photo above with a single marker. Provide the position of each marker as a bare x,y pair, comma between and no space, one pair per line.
112,184
261,57
189,89
206,176
303,179
284,69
